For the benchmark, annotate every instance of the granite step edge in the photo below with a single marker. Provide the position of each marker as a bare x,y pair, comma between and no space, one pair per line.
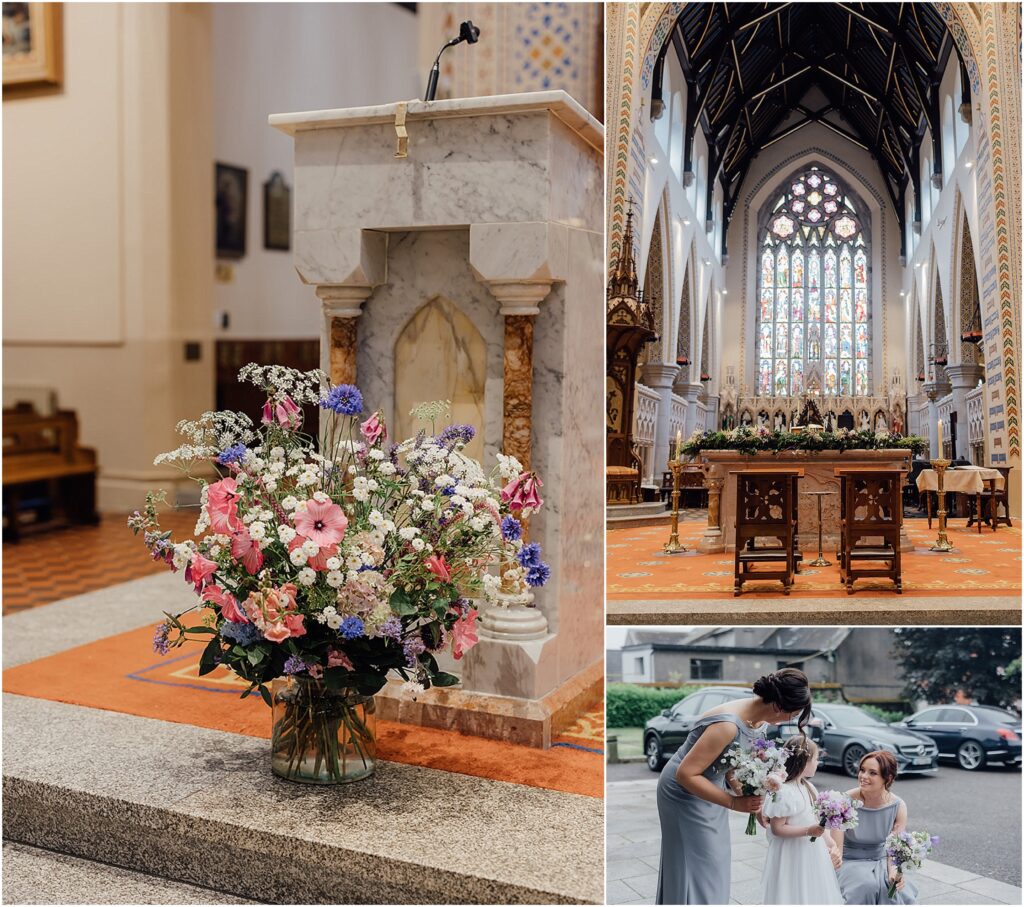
265,867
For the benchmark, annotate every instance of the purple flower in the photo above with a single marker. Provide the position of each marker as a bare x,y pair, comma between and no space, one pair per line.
294,665
243,634
344,399
453,433
391,628
511,529
161,644
233,454
414,646
352,627
538,575
529,555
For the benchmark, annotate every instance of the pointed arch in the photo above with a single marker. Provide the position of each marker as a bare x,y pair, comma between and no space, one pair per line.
966,283
654,288
683,344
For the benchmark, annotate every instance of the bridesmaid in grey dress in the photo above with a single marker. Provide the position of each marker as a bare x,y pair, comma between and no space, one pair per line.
693,797
865,874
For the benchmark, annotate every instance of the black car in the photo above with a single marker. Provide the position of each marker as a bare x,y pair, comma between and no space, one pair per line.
972,734
665,733
851,732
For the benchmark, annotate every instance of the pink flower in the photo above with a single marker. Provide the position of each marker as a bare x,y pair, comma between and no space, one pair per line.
318,561
322,524
222,505
336,659
439,568
277,632
294,623
464,634
315,671
229,609
199,570
373,429
285,411
245,549
522,493
773,782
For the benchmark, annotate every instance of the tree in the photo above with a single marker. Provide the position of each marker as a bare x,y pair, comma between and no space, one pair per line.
937,662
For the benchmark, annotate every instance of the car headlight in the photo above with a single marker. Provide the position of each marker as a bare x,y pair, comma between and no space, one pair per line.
883,746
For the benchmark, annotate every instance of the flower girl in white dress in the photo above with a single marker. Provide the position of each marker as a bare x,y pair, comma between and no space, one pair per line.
797,870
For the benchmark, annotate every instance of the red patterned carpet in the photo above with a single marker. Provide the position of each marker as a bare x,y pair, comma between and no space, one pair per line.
981,565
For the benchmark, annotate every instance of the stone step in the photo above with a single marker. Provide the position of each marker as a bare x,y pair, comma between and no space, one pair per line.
200,807
35,876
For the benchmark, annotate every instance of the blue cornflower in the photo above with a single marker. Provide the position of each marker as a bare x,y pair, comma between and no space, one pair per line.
529,555
463,433
511,529
391,628
538,574
294,665
243,634
161,644
344,399
352,627
233,454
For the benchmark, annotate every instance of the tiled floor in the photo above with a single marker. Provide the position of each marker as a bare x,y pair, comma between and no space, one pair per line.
63,562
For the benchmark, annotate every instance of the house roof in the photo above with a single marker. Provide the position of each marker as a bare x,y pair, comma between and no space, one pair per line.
778,639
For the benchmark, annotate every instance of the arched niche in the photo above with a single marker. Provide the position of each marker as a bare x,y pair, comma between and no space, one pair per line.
440,355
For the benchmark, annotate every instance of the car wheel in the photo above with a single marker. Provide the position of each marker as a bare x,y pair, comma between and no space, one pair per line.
851,759
970,756
655,759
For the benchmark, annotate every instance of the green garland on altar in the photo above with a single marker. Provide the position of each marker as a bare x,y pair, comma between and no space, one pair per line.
748,440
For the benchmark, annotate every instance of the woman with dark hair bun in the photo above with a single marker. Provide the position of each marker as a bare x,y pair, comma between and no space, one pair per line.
695,790
865,872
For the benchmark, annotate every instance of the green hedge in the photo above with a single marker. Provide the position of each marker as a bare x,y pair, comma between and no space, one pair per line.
632,706
884,714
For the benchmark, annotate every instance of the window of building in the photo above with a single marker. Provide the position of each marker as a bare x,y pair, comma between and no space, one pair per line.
705,669
638,665
799,665
813,312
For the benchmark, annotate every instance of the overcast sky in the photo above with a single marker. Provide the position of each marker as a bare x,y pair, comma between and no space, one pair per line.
614,637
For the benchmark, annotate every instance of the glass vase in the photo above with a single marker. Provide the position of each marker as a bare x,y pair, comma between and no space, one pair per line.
321,736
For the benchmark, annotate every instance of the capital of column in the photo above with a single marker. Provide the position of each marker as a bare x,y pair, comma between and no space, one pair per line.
343,300
965,376
936,390
659,375
519,297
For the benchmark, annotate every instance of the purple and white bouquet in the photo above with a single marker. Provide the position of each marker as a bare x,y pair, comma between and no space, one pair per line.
835,810
761,771
907,850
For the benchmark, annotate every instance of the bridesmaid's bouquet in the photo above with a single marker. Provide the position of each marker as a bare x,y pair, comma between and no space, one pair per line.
761,771
835,810
907,850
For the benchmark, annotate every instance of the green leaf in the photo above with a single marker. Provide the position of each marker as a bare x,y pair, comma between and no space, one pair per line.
202,630
256,655
441,679
402,604
210,656
265,693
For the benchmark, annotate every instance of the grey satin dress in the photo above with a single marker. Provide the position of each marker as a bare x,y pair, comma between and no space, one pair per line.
864,875
696,855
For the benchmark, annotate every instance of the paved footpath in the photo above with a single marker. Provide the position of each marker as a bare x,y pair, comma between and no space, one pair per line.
634,844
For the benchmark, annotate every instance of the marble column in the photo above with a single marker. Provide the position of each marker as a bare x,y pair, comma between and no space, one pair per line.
691,391
659,376
964,378
342,306
713,541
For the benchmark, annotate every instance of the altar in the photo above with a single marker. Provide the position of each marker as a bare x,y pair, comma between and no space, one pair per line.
819,475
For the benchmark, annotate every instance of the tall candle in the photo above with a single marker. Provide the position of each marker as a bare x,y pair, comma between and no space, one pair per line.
940,437
679,443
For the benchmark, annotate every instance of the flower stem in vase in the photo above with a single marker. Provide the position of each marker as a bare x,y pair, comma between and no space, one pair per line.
752,824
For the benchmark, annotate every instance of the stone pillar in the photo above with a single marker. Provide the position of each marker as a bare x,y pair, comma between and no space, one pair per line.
713,541
691,391
660,377
342,305
964,378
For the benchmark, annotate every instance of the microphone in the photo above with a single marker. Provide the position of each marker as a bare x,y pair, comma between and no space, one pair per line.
469,33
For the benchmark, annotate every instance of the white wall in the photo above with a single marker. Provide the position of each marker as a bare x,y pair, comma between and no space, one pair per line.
280,57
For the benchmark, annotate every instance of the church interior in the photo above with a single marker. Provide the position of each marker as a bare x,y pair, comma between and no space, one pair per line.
814,267
189,188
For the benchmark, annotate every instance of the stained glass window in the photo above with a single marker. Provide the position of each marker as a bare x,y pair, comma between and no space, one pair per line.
813,311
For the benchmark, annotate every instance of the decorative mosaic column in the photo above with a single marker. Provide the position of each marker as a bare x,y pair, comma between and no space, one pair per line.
342,306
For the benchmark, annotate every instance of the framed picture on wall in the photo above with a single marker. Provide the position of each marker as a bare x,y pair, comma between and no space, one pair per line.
33,45
277,213
231,201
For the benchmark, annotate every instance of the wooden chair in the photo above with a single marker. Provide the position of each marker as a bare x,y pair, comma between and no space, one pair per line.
871,517
991,500
766,508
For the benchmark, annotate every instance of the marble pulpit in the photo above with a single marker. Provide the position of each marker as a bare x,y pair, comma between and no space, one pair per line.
456,248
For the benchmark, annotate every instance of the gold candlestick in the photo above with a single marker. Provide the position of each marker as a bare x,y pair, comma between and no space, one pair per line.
673,546
942,543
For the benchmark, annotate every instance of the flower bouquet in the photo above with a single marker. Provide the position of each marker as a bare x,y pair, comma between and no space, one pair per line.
761,771
835,810
320,567
907,850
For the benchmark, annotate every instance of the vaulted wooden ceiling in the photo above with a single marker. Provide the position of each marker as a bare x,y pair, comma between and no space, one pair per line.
748,67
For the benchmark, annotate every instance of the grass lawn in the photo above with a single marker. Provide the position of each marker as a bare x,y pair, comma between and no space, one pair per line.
631,740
